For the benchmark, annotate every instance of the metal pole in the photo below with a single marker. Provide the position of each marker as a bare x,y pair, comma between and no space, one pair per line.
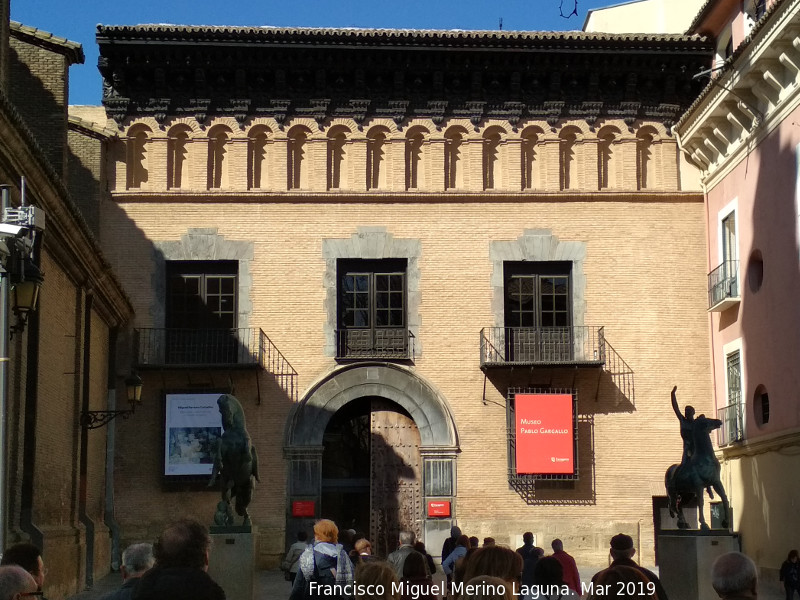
4,332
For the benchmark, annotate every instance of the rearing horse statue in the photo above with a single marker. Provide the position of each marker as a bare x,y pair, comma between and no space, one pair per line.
699,468
236,462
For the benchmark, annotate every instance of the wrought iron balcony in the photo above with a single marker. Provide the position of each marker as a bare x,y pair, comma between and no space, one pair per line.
546,346
723,286
732,429
213,348
380,343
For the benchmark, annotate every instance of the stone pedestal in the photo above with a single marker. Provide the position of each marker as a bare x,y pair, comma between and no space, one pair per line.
685,559
232,561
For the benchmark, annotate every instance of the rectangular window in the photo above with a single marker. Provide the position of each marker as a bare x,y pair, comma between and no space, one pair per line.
201,312
731,417
372,308
538,311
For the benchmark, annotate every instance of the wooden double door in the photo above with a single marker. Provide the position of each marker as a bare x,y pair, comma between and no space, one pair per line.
371,472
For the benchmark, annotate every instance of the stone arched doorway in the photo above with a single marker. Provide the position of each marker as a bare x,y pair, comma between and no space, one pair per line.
404,461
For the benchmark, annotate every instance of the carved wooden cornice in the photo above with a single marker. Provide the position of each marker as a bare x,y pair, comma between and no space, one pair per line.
202,72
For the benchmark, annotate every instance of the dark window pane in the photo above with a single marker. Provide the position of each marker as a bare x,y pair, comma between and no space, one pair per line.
212,285
397,301
548,320
547,303
361,318
382,300
381,283
396,282
362,300
561,303
362,283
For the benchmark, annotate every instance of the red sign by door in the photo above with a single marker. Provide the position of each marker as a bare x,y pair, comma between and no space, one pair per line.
439,508
544,434
303,508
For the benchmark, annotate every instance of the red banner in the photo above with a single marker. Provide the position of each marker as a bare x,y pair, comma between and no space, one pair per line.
438,508
544,434
303,508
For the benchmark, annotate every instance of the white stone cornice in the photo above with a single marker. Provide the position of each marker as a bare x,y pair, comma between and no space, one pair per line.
749,99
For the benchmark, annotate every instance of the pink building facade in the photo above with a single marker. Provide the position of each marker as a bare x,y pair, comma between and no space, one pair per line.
743,132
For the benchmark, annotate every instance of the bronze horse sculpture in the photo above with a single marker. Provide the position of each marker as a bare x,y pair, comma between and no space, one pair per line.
236,462
699,468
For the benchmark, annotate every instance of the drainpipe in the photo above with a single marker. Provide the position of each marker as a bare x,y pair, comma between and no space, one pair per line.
4,358
33,335
111,435
84,518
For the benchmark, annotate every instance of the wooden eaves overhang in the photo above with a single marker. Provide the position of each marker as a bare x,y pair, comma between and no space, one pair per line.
168,71
67,239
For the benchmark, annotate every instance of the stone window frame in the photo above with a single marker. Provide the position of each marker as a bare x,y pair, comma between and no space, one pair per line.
371,243
204,244
538,245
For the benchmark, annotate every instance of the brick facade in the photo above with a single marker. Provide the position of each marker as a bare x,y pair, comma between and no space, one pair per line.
61,363
644,273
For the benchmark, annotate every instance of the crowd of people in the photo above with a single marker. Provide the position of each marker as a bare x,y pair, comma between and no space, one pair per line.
344,568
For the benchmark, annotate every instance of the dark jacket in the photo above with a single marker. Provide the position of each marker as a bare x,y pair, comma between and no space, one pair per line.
627,562
790,574
177,583
125,592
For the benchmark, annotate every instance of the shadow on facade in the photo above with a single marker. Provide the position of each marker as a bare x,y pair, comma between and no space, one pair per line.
769,283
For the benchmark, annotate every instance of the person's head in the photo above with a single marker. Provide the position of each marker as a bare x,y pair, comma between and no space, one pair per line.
325,530
378,577
558,545
627,582
689,412
463,540
455,532
15,582
302,536
548,571
495,561
345,537
792,556
27,556
420,547
474,542
414,566
407,538
621,547
136,560
184,543
488,541
734,574
363,546
527,538
485,587
539,551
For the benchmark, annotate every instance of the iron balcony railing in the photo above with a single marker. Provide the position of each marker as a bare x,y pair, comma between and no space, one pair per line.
213,348
387,343
732,429
723,284
529,346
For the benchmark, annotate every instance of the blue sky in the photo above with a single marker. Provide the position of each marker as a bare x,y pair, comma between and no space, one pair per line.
76,21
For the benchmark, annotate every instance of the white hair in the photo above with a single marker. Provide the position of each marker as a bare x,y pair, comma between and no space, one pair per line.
407,538
733,573
138,558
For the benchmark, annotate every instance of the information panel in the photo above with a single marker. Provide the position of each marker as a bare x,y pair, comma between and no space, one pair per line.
545,435
193,427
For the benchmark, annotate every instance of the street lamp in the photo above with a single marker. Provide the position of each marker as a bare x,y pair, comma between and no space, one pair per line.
92,419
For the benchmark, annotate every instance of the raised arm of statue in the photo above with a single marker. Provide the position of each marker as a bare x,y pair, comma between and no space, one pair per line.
675,405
